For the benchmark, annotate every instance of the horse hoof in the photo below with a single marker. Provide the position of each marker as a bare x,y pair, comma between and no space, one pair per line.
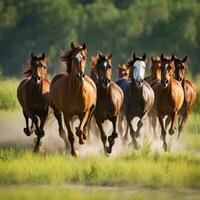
75,154
108,150
81,142
27,132
171,131
84,136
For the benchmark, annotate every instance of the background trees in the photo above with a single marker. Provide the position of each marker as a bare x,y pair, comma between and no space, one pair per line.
120,27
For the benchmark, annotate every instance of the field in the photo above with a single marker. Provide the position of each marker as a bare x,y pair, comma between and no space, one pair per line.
127,174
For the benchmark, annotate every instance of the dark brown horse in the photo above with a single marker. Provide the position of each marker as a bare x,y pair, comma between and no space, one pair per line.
73,93
33,96
139,97
109,98
169,97
181,67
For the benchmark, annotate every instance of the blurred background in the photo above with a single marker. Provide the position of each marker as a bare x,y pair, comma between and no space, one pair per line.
121,27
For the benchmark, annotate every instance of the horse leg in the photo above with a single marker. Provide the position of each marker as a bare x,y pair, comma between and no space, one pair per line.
87,126
125,138
167,121
132,133
119,124
43,118
183,120
154,124
103,135
111,138
67,119
83,122
163,133
140,124
27,131
172,128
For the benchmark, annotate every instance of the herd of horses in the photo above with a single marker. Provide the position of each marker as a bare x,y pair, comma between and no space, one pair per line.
165,96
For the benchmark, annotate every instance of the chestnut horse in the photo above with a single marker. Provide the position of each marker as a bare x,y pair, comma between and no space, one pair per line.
139,97
109,98
169,97
33,96
73,93
155,70
189,92
124,71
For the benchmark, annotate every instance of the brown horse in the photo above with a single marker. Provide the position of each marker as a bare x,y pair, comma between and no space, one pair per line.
169,97
124,71
189,91
155,70
139,97
109,98
73,93
33,96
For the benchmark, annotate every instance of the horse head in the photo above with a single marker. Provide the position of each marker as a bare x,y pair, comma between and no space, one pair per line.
104,69
156,67
123,71
37,68
75,60
167,69
138,65
180,68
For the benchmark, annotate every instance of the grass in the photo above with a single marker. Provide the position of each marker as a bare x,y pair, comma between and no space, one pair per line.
8,99
136,168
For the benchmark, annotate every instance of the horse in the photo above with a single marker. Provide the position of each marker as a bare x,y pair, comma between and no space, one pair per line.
155,70
73,93
181,67
169,97
139,97
124,71
109,98
33,96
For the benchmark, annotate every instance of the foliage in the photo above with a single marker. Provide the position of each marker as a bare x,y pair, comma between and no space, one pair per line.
120,27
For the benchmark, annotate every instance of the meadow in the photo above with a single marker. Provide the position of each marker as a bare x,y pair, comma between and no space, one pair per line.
24,175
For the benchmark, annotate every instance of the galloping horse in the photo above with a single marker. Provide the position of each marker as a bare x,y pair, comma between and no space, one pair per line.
169,97
139,96
109,98
33,96
73,93
189,91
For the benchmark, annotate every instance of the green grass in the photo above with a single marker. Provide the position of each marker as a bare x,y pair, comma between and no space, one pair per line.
136,168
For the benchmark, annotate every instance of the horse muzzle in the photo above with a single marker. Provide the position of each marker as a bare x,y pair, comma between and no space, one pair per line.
164,83
105,82
80,76
139,82
36,79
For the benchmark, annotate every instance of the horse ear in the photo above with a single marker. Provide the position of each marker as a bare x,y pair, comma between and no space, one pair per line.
32,56
119,66
161,57
43,56
184,59
101,56
110,56
144,57
172,57
152,58
84,46
134,56
72,45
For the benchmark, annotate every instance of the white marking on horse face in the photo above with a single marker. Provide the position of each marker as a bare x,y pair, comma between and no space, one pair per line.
105,64
79,57
139,67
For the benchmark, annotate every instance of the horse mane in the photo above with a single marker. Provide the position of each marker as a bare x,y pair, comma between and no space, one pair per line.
27,69
66,58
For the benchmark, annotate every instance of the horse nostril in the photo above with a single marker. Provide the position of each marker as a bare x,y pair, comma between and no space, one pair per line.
166,81
83,75
108,80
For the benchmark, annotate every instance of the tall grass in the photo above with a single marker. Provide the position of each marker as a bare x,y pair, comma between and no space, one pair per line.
136,168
